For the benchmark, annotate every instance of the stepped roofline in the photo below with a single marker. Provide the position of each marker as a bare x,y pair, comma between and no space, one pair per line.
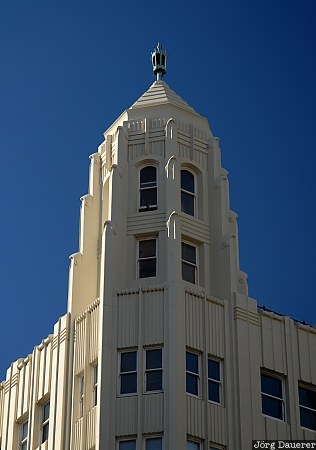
160,93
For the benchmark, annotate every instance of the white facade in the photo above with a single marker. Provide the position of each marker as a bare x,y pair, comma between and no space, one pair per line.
161,346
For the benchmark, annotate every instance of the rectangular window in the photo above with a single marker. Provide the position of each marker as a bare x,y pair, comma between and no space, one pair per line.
148,188
154,443
192,373
272,396
214,380
81,395
307,401
127,445
192,445
153,375
128,372
24,435
147,258
95,385
189,262
45,422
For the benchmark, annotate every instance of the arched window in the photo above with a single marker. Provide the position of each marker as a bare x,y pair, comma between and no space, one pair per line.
187,192
148,188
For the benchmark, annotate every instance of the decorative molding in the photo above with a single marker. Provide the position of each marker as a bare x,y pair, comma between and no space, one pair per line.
76,258
247,316
87,199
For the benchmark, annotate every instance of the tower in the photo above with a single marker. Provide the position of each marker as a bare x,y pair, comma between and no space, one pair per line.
161,347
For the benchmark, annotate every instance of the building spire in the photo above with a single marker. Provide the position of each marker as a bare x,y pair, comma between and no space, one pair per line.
159,61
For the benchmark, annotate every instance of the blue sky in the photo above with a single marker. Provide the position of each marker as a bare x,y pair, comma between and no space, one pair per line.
69,68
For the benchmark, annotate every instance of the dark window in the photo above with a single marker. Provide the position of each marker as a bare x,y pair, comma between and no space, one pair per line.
191,445
187,192
272,396
189,264
45,422
128,445
192,373
154,443
148,188
153,370
214,380
307,400
95,385
128,373
147,259
24,435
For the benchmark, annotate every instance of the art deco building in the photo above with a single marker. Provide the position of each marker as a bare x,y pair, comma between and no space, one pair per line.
161,347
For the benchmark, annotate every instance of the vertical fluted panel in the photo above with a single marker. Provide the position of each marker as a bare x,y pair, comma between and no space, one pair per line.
153,413
126,419
217,423
195,416
194,321
215,328
93,333
24,388
306,348
127,320
80,343
44,367
90,432
153,304
77,435
273,348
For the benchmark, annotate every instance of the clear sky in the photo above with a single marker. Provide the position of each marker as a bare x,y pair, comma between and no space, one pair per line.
69,68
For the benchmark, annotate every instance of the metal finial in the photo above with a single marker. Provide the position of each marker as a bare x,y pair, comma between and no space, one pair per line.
159,61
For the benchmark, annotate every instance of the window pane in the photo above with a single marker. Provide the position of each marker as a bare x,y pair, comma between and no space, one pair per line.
187,203
272,407
128,361
45,432
153,358
307,397
24,430
148,198
148,175
192,383
187,181
24,446
213,392
147,248
129,383
45,412
147,268
127,445
154,380
154,444
188,273
308,418
271,385
192,362
188,253
193,445
214,369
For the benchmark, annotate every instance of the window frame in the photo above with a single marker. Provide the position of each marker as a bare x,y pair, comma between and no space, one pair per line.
304,407
189,263
215,381
120,353
141,189
148,438
193,441
155,257
24,439
81,387
95,383
273,397
129,439
197,374
156,369
44,422
189,193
